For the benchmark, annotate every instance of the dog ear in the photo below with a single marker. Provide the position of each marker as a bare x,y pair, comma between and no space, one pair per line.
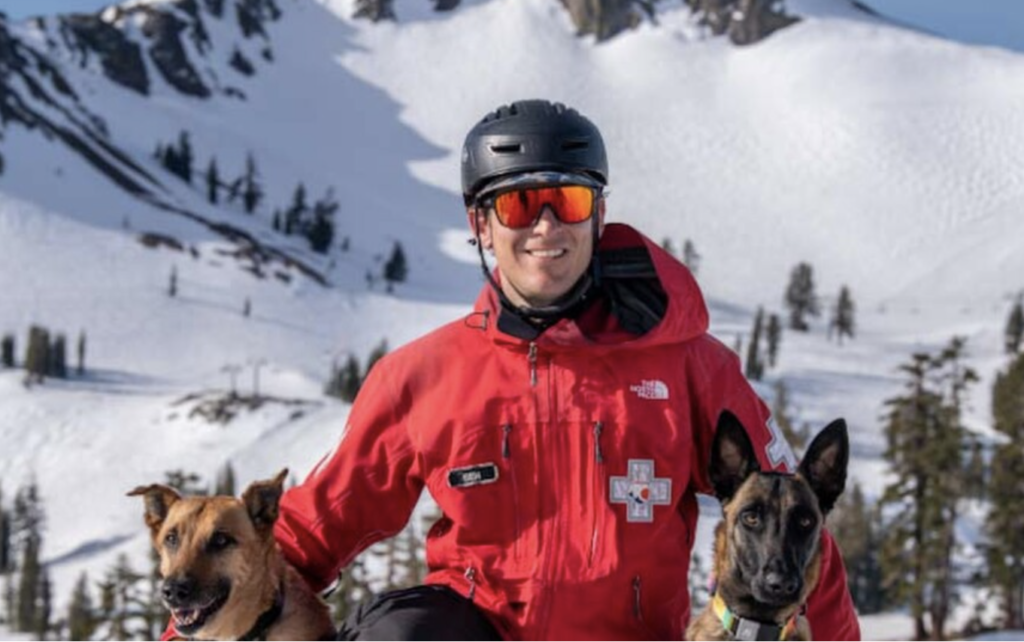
261,500
159,499
825,462
732,457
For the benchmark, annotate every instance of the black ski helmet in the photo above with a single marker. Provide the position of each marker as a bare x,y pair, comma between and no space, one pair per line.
528,136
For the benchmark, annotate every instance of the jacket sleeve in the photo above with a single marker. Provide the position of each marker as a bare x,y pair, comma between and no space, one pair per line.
830,610
363,491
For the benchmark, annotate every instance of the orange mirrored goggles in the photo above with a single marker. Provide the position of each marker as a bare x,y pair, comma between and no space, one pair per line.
521,208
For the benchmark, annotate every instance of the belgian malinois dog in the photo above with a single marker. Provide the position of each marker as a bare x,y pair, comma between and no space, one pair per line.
223,575
767,546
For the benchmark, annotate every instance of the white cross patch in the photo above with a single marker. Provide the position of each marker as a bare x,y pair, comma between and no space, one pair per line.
641,491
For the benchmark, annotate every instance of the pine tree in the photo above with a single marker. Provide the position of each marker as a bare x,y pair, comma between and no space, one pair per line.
294,216
252,193
320,230
351,379
81,616
774,338
801,300
375,355
172,286
212,182
81,353
668,246
691,258
842,319
754,367
29,581
1015,327
925,442
7,351
1005,521
396,269
184,164
58,358
854,526
37,355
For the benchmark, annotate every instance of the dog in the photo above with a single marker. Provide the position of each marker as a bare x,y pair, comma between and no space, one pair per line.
767,546
223,576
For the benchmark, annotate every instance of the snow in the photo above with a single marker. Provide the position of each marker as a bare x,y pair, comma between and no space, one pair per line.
888,159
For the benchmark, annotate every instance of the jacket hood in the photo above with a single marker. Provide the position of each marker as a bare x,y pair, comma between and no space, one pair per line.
645,297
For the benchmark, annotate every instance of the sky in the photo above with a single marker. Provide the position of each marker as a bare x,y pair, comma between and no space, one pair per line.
987,22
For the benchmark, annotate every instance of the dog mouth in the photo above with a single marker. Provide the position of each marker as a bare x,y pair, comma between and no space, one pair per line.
191,619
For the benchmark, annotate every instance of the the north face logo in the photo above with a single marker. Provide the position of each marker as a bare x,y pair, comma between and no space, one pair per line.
651,389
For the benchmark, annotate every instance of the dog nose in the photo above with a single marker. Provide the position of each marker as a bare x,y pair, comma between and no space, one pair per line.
782,584
179,590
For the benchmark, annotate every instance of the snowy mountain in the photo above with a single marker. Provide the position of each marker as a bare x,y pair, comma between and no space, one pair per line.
888,159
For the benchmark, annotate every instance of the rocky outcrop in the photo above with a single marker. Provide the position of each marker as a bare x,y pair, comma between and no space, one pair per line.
744,21
120,57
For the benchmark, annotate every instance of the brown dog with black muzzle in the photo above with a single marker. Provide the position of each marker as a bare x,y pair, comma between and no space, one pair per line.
223,575
768,544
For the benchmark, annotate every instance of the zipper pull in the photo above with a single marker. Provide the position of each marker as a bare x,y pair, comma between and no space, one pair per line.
636,599
505,451
598,427
471,576
533,363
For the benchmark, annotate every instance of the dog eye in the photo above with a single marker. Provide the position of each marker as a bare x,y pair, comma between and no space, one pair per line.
219,542
751,518
171,539
806,522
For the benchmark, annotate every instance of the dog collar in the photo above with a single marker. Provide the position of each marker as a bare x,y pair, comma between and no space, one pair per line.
744,629
267,618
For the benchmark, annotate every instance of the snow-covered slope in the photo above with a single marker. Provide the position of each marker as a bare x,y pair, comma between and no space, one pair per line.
888,159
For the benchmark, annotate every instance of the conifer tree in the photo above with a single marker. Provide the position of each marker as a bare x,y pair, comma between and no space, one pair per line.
754,367
925,442
691,258
29,586
854,526
842,323
252,193
172,285
1015,327
320,230
184,164
396,269
81,617
668,246
1005,521
351,379
294,216
774,338
81,353
58,358
44,608
37,355
375,355
7,351
801,299
212,182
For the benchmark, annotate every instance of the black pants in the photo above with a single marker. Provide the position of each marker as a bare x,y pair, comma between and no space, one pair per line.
418,613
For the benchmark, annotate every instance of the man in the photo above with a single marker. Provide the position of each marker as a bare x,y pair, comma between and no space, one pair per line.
563,427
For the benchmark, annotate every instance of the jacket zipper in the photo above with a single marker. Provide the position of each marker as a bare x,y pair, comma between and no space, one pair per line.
596,504
637,610
506,453
533,363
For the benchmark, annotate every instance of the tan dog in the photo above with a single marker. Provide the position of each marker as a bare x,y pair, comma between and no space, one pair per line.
767,546
223,575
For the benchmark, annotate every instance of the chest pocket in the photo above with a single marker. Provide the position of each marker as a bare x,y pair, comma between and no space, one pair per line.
480,488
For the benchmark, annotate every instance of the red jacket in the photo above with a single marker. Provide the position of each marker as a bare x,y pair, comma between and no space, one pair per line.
566,467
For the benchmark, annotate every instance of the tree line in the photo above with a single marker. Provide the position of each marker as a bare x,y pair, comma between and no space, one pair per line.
45,354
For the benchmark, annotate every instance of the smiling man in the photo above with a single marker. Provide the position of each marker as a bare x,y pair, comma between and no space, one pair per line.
564,426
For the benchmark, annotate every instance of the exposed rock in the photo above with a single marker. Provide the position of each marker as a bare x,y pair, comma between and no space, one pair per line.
120,57
745,21
167,53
